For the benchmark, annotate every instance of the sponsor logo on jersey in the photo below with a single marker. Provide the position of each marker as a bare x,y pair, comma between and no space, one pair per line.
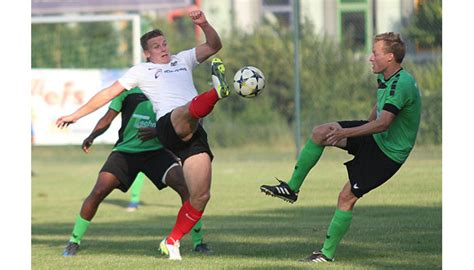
175,70
143,121
157,73
167,71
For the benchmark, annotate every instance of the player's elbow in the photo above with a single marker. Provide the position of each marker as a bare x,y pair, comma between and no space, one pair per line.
216,47
215,44
382,125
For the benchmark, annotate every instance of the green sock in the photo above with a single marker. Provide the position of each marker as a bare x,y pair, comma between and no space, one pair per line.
196,235
309,156
337,229
137,187
79,229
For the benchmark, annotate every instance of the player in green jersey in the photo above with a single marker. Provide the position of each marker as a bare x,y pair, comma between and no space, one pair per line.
380,145
129,158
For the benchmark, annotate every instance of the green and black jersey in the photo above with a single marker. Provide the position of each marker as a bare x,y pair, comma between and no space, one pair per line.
137,112
399,95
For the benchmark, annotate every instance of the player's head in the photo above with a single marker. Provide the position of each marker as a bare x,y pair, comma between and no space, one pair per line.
388,49
155,47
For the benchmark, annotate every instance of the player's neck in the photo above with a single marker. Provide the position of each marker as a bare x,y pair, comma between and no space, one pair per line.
391,70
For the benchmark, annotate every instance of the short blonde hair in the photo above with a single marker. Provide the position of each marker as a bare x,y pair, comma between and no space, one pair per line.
392,44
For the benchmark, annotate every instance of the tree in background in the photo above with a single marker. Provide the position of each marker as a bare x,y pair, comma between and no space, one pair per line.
81,45
425,26
333,79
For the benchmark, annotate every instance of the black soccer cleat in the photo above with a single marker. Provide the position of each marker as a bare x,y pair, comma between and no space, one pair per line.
71,249
202,248
282,191
317,257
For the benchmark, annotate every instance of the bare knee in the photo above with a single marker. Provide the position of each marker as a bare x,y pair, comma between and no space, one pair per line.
183,124
199,201
346,200
183,193
98,194
318,134
105,184
175,180
203,197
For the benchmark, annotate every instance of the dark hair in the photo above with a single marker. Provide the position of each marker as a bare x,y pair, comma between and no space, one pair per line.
392,44
152,34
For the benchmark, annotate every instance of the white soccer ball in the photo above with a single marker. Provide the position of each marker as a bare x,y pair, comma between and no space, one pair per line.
249,81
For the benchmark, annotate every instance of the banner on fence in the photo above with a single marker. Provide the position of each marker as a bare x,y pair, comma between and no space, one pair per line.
58,92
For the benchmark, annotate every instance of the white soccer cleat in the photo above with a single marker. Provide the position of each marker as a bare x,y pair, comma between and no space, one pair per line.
171,250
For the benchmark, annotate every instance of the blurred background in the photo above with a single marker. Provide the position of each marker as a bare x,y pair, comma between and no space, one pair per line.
314,54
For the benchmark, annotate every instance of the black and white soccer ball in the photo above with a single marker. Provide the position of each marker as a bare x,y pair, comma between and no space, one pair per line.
249,81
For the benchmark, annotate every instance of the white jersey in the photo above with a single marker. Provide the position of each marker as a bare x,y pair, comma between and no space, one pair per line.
167,86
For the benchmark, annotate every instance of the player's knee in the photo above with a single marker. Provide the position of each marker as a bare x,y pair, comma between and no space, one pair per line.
175,180
318,134
179,112
346,200
183,192
202,198
205,197
98,194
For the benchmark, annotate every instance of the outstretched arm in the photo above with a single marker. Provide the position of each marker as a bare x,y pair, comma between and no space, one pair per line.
97,101
102,125
213,42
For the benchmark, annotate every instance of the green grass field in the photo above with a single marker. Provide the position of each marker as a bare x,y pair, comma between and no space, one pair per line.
397,226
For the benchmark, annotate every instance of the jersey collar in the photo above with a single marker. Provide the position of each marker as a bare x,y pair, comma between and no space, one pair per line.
382,83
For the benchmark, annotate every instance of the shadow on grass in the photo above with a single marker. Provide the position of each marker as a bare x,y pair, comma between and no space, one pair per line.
378,236
124,203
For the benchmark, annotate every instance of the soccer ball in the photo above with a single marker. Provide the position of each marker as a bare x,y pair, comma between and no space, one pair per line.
249,81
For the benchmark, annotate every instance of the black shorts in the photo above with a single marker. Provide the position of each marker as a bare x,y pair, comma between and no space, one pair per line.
168,137
154,164
370,167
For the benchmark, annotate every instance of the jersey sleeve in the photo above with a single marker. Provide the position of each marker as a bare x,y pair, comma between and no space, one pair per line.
189,57
399,96
130,79
116,103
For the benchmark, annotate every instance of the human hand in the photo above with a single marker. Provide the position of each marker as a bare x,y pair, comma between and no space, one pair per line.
335,135
198,17
65,121
86,144
146,134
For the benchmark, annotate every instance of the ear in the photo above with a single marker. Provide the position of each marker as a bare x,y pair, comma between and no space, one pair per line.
390,57
146,53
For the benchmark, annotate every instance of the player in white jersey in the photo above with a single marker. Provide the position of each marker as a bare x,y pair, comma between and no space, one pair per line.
167,82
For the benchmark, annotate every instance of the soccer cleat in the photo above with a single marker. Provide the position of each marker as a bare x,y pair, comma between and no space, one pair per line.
202,248
218,78
317,257
71,249
132,207
282,191
170,250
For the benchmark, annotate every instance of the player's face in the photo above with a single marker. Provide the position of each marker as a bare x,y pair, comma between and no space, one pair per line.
157,50
379,59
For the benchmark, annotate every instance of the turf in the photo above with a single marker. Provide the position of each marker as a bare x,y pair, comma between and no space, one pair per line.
397,226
